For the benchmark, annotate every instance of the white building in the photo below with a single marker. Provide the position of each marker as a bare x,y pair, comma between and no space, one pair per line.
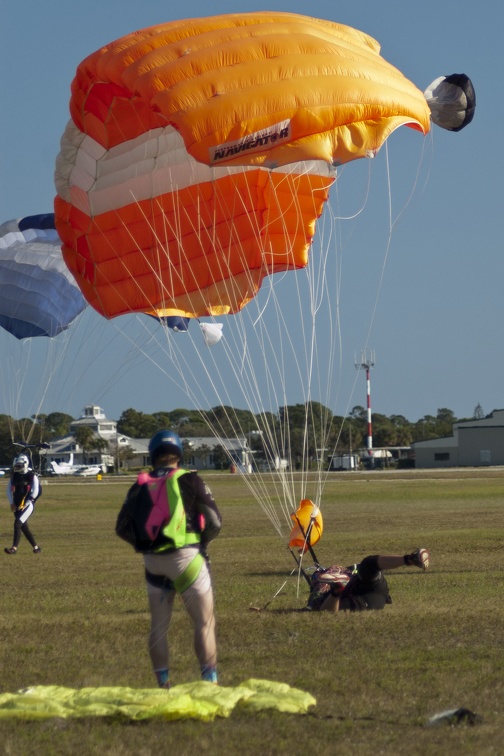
124,453
473,443
66,450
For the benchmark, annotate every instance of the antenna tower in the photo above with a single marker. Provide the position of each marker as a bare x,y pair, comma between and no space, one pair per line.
367,361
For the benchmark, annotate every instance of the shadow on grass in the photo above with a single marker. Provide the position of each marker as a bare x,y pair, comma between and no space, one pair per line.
134,611
267,610
270,573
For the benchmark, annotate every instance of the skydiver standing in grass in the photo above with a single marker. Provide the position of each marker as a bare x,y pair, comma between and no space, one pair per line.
362,586
170,517
22,492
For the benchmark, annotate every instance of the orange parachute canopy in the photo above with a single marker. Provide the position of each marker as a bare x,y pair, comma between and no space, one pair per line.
200,153
308,526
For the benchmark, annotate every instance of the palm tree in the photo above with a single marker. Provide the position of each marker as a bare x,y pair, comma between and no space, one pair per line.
87,439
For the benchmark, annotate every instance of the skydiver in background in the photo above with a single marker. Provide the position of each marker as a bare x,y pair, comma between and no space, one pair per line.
170,517
22,492
361,586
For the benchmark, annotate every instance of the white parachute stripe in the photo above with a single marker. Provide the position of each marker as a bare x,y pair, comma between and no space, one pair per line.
39,255
153,164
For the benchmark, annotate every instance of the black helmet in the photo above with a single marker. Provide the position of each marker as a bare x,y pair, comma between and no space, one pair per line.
165,441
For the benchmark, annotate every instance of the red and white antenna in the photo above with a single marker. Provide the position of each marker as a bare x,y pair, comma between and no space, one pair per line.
367,361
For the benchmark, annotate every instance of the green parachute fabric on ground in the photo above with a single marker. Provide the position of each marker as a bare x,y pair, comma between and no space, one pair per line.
199,700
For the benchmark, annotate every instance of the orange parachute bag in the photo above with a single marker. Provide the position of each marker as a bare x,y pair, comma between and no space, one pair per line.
308,526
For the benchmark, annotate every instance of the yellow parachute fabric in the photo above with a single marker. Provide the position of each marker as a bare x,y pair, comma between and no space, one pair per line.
200,153
200,700
307,521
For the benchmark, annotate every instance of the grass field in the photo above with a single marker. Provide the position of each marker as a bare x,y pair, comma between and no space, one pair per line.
77,616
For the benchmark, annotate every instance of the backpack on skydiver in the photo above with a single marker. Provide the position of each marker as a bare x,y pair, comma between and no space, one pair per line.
325,582
356,593
153,518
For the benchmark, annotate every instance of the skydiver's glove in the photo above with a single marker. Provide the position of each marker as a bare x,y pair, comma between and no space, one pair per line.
13,507
206,556
337,589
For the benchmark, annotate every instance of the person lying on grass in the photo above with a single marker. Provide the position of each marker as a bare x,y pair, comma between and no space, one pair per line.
361,586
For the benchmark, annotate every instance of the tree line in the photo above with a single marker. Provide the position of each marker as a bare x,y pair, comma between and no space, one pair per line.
297,430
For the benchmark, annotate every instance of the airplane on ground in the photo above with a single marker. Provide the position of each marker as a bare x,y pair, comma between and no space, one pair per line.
68,468
89,470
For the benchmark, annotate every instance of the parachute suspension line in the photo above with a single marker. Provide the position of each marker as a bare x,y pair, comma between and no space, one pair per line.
385,254
254,391
318,295
335,195
244,368
321,422
43,356
280,353
310,351
278,383
56,353
332,291
200,230
239,369
337,219
14,370
244,365
413,189
162,258
285,427
238,198
161,247
177,357
392,223
334,341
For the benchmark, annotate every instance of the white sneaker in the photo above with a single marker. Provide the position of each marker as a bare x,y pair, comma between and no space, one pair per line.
420,558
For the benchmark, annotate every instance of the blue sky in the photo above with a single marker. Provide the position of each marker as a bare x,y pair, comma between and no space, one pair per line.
433,318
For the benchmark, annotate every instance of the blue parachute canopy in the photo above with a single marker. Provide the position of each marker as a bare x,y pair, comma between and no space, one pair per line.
38,294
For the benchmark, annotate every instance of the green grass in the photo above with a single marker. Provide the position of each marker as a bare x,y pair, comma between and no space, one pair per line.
77,616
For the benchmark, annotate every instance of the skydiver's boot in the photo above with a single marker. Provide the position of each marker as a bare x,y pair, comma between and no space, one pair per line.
418,558
163,678
209,673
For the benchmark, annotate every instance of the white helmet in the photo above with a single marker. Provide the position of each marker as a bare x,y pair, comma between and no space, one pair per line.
21,464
